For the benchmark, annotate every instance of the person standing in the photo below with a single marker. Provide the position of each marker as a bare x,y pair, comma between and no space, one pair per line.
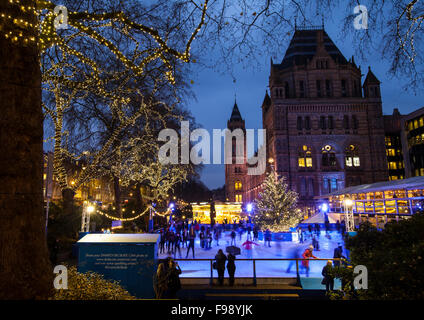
173,277
328,279
177,244
191,237
233,237
267,237
162,242
307,254
216,236
202,239
255,233
338,254
231,267
209,245
160,283
220,266
249,232
185,237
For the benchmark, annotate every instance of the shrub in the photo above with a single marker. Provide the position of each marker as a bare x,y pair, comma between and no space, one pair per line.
91,286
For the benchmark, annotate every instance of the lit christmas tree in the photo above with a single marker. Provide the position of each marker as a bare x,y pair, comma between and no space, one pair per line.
276,206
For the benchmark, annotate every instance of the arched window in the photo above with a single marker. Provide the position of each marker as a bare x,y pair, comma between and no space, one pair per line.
328,156
239,198
352,157
286,90
238,185
305,157
299,123
346,122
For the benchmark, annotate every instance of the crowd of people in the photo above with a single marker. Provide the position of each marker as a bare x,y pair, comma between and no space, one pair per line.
181,235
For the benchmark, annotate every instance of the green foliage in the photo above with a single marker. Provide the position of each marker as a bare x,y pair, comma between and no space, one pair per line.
345,274
62,225
91,286
393,257
276,206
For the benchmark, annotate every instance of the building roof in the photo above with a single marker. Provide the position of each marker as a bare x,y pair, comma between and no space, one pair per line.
267,100
119,238
303,47
409,184
235,115
371,78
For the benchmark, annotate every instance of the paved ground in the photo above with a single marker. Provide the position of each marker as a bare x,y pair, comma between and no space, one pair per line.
263,268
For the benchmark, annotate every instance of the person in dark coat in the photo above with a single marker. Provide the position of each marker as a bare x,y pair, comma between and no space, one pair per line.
191,237
162,242
233,237
220,266
231,267
338,254
177,245
327,273
268,237
173,279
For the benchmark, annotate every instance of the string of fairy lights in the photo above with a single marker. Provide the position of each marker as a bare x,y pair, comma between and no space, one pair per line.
167,212
44,32
37,25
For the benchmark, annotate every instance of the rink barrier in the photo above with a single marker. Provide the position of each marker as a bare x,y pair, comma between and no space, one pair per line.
254,278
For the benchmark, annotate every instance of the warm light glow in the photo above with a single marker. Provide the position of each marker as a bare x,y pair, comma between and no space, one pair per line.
90,209
271,160
348,202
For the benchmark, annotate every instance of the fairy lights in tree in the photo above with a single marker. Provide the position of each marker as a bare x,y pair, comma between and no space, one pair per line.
92,25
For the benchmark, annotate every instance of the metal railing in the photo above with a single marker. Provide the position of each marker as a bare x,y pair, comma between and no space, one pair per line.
254,278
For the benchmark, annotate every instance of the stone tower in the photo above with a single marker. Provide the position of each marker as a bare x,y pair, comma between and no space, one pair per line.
236,171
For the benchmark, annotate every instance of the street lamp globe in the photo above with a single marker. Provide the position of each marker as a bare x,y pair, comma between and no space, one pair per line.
90,209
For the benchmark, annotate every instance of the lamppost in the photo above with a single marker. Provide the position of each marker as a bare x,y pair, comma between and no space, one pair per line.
271,163
87,209
348,208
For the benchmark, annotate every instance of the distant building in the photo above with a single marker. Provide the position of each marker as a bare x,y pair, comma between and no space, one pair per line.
405,144
229,212
394,129
325,128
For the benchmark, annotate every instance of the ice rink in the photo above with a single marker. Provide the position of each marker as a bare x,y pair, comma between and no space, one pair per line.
278,250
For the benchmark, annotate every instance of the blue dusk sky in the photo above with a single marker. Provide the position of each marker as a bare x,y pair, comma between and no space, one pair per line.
215,94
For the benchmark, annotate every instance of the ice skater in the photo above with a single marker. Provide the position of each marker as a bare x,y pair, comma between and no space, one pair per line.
307,255
248,245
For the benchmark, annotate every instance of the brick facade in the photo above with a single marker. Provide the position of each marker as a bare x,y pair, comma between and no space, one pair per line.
325,130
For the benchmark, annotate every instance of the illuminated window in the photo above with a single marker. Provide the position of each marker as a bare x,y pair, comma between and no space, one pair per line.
328,156
239,198
44,176
392,165
352,157
391,152
305,157
238,185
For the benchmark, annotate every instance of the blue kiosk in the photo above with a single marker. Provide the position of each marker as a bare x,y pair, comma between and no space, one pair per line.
128,258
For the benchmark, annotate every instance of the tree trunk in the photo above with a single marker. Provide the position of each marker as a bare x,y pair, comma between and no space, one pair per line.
117,190
25,270
138,199
68,202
